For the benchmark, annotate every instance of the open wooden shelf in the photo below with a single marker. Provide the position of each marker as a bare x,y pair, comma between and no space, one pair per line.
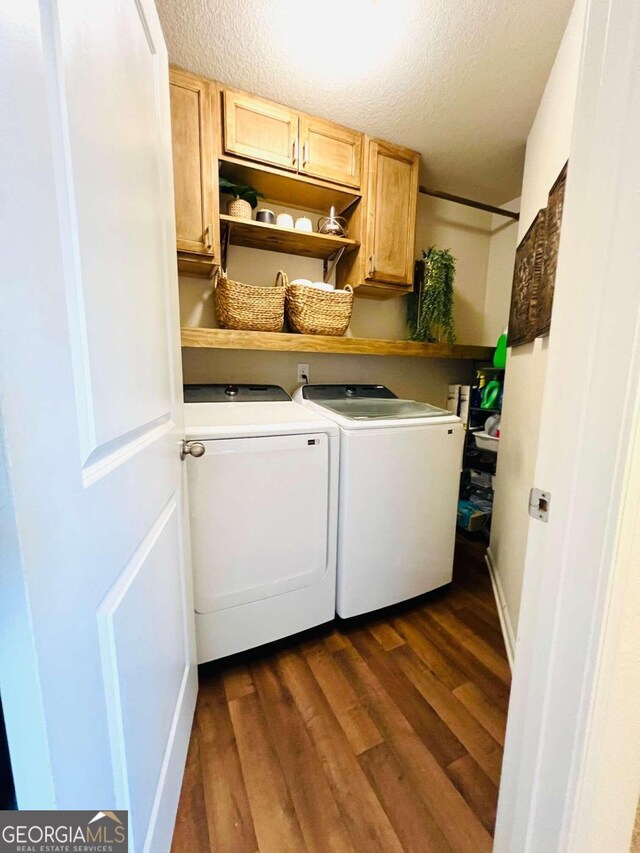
260,235
289,188
285,342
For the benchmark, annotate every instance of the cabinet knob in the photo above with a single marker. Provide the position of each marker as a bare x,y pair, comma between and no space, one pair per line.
192,448
372,265
295,151
305,154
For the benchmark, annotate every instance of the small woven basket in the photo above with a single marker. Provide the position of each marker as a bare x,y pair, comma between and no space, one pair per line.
312,311
240,208
250,308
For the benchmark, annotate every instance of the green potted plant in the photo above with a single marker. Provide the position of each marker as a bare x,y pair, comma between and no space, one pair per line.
245,198
430,306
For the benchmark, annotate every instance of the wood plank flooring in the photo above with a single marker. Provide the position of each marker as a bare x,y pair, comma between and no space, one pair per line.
379,734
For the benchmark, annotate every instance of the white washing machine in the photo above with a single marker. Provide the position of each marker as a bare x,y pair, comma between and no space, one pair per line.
262,477
399,479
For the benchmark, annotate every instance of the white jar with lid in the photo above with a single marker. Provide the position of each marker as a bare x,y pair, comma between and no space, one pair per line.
303,223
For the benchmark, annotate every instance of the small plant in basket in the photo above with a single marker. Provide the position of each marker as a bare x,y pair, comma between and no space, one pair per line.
245,198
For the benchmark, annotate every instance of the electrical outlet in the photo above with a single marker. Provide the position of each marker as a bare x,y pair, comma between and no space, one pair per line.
303,373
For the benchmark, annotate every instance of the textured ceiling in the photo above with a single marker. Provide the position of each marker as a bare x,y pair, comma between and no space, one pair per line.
457,80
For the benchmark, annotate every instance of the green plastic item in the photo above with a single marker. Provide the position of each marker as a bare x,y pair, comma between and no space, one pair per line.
490,394
500,354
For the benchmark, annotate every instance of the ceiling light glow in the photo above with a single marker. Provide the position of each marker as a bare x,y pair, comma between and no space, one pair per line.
344,38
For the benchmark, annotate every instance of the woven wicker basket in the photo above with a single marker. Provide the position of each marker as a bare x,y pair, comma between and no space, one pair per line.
240,208
250,308
312,311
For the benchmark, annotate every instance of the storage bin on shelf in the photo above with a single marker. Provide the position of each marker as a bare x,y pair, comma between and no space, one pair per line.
250,308
487,442
311,311
470,517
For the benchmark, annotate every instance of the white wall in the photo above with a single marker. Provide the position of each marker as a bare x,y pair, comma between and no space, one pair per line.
414,378
465,231
502,253
519,426
547,151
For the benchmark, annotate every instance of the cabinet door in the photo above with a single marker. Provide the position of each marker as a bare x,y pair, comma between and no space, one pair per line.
194,164
330,151
391,213
260,130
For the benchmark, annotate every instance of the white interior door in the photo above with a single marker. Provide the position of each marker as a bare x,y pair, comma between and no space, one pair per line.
97,666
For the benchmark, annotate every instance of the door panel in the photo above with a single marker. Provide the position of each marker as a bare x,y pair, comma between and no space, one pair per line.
118,250
196,200
142,646
393,186
246,544
260,130
330,151
92,332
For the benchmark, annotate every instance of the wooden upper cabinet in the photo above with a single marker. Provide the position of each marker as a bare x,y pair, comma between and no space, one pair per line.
330,152
391,213
375,181
194,164
260,130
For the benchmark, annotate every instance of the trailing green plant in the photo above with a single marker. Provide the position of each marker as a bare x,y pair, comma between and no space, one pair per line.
430,308
242,191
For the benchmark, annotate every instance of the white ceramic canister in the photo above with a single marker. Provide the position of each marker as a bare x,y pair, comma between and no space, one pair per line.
284,220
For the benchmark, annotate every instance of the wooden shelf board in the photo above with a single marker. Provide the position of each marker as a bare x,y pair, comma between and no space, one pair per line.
273,238
285,342
288,188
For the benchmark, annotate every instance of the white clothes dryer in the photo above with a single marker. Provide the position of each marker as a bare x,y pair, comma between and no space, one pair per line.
262,477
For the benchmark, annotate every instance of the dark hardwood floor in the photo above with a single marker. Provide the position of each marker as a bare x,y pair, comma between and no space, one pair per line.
383,734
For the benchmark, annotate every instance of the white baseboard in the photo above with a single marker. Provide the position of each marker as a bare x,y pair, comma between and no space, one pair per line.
501,604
